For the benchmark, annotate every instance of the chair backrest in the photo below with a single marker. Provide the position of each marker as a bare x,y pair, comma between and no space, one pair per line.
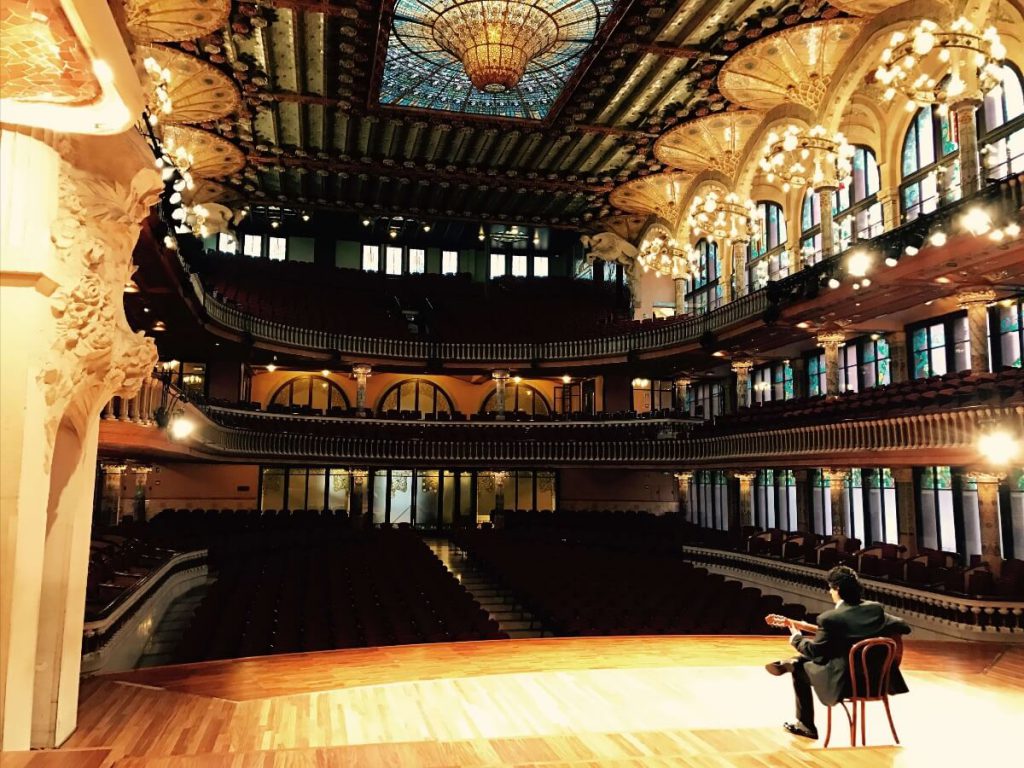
870,665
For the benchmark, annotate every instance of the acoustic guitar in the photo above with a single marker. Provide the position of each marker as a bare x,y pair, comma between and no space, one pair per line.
777,620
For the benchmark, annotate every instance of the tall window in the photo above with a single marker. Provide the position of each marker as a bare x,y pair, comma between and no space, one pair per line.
305,488
415,395
709,499
226,243
864,363
277,248
371,258
930,162
393,260
252,246
1011,333
821,503
767,258
316,392
519,398
705,292
869,506
540,266
449,262
810,228
1001,126
417,261
937,513
656,395
775,499
497,265
940,347
771,382
704,400
520,265
817,378
857,212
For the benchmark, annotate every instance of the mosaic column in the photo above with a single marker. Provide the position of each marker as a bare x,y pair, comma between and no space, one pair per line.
976,303
898,360
831,341
803,512
988,517
361,372
684,479
744,507
836,479
500,381
967,136
825,196
742,370
680,287
682,391
906,508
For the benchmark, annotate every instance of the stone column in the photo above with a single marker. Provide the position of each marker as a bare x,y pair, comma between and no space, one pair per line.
745,505
976,303
725,277
825,196
70,209
890,201
739,261
906,508
684,479
682,391
967,133
680,294
742,370
500,380
831,341
899,370
361,373
836,478
988,514
803,512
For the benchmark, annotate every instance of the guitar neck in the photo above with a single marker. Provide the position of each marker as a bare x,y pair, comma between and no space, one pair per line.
804,626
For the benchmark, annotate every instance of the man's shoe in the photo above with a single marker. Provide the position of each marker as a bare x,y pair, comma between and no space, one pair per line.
799,729
780,667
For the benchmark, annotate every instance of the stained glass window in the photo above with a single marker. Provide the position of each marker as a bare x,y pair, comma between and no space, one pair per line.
1011,332
226,243
540,266
940,347
704,292
1001,125
930,162
393,260
415,395
419,73
497,265
417,261
252,246
371,258
520,265
709,499
766,254
816,375
277,248
449,262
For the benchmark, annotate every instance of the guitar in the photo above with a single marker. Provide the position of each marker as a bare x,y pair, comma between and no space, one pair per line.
777,620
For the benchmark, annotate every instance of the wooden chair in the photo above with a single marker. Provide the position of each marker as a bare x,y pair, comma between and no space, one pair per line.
868,683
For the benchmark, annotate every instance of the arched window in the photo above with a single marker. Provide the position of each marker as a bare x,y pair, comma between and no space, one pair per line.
316,392
415,395
856,212
518,397
1001,126
705,292
930,151
767,258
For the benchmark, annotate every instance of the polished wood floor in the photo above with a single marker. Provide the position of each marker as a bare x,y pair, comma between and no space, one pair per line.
652,701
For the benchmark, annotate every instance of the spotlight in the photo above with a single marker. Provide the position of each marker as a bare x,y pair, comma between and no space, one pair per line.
858,263
937,238
976,221
865,282
181,428
325,372
305,217
175,198
996,235
271,367
910,250
1012,229
517,379
566,379
833,283
426,227
891,261
392,233
366,222
275,224
998,446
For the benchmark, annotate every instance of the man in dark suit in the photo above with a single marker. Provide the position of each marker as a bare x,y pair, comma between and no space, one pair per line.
823,660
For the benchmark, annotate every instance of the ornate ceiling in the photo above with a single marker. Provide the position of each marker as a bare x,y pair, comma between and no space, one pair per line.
328,119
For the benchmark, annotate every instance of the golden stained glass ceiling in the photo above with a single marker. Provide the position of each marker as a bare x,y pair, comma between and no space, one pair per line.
715,142
661,194
795,65
865,7
164,21
212,156
199,91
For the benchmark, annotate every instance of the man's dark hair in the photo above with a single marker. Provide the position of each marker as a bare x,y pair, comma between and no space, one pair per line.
844,581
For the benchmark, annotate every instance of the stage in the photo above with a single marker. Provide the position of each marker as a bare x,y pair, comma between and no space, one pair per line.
605,701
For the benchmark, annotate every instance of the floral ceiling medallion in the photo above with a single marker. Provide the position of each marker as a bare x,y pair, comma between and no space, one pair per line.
715,142
503,58
794,66
660,194
199,92
211,156
865,7
165,21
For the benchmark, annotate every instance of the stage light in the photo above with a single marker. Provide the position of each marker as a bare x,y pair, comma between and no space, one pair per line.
517,379
976,221
305,217
998,446
833,283
865,282
275,224
325,372
566,379
271,367
366,222
181,428
1012,229
891,261
937,238
858,263
426,227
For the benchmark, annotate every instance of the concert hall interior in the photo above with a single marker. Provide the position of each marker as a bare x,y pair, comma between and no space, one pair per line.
511,382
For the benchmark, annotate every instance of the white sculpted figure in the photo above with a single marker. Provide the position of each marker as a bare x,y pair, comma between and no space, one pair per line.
608,246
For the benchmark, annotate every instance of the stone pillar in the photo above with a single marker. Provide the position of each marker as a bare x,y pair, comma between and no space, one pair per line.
988,514
684,479
976,303
361,373
725,278
967,133
831,341
803,512
825,196
890,201
742,370
500,380
70,209
745,505
906,508
680,292
682,391
739,261
899,368
836,478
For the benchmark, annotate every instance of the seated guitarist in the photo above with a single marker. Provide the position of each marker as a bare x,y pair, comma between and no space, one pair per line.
823,660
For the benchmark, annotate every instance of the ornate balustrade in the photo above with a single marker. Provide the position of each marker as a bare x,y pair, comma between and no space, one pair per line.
140,409
943,613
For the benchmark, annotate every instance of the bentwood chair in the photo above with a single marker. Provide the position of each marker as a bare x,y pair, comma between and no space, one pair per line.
870,666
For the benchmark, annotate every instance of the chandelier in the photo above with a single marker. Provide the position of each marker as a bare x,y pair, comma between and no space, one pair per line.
662,255
800,157
495,39
725,217
972,59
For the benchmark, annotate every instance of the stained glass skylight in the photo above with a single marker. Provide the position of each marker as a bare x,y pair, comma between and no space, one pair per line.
419,73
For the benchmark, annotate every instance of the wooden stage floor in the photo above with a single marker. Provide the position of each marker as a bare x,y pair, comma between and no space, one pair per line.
617,702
